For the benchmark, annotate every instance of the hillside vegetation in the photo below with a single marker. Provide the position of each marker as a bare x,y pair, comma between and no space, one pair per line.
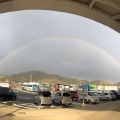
101,82
43,77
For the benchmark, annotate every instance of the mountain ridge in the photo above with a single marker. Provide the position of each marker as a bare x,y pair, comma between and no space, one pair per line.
40,76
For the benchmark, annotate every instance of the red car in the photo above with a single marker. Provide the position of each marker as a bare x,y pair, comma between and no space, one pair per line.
74,95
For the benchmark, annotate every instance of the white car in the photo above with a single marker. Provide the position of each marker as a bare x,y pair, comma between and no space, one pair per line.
62,98
89,97
43,98
107,96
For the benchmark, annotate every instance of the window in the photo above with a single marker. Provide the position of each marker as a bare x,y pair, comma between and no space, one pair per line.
59,94
105,93
66,94
10,91
46,94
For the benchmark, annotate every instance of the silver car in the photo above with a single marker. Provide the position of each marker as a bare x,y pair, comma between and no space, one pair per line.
62,98
107,96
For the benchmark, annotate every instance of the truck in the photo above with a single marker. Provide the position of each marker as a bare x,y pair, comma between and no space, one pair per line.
58,87
4,85
74,87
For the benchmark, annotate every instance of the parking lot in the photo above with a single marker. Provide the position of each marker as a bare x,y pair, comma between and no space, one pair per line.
25,100
103,111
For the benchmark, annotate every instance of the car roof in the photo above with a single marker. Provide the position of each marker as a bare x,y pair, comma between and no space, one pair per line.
4,88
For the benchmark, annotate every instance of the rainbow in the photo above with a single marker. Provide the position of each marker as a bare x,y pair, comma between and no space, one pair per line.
15,51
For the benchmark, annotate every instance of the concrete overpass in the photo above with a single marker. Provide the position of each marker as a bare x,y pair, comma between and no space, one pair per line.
106,12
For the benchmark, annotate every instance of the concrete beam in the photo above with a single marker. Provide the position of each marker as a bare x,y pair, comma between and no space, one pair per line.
91,4
116,17
62,6
110,3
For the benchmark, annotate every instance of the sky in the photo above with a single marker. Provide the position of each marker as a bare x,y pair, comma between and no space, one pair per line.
58,43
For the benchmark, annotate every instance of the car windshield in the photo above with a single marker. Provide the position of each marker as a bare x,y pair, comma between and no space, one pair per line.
73,92
45,93
60,86
105,93
29,85
71,86
93,93
66,94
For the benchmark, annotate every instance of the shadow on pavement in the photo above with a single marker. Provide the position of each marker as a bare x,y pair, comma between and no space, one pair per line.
106,106
10,114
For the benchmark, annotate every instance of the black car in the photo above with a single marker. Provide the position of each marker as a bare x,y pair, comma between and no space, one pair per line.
116,93
7,94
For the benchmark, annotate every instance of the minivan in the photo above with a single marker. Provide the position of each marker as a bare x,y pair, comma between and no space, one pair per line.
43,98
62,98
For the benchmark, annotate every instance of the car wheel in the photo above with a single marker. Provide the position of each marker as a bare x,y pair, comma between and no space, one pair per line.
81,100
1,99
89,101
35,102
54,102
108,99
49,104
14,98
40,103
60,102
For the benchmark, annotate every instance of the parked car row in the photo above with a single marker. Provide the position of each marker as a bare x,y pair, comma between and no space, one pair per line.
44,98
66,97
94,97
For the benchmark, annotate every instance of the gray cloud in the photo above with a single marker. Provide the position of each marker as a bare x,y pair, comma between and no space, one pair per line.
62,55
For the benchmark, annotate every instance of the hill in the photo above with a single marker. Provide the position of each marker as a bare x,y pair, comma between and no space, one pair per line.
40,77
118,84
101,82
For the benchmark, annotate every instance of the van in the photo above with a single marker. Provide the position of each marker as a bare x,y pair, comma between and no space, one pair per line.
24,85
43,98
32,87
62,98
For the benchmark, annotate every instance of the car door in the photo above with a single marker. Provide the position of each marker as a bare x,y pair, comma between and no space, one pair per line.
102,96
37,98
11,93
56,99
59,97
106,95
8,94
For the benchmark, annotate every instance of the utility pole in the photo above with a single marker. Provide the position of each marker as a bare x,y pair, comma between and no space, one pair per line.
30,78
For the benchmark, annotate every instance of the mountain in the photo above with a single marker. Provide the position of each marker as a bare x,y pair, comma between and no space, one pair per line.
40,77
101,82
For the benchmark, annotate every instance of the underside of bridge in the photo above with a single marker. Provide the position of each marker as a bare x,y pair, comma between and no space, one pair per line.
106,12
